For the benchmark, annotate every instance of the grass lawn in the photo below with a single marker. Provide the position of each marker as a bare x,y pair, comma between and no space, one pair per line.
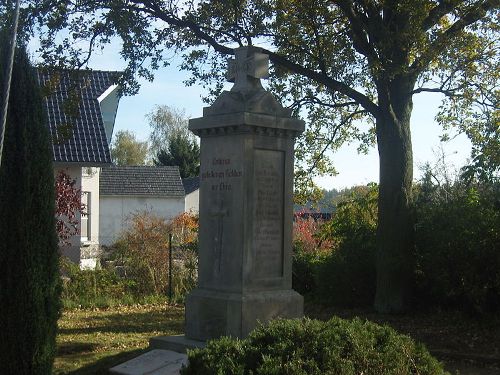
90,341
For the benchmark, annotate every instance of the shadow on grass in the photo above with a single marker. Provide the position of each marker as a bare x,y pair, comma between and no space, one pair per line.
69,348
102,366
138,322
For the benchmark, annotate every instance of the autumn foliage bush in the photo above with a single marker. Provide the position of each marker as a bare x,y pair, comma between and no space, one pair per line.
142,253
135,268
309,250
68,206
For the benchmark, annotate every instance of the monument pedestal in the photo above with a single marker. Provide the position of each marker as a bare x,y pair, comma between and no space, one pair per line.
212,313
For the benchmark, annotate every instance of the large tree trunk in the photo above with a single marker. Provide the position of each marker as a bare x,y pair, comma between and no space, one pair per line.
395,233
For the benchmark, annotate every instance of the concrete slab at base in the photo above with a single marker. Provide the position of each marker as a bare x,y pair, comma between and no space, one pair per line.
177,343
154,362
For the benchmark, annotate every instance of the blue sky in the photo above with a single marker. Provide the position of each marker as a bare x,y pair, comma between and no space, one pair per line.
168,88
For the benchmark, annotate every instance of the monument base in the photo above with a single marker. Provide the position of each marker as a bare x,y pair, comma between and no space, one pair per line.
175,343
211,314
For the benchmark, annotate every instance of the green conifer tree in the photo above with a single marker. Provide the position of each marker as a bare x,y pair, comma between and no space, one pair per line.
29,260
183,152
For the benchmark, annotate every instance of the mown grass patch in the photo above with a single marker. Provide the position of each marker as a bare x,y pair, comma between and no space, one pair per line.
90,341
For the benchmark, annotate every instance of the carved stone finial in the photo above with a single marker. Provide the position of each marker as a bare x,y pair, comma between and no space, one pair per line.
247,68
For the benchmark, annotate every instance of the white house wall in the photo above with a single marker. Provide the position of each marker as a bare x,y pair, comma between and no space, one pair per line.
192,202
116,211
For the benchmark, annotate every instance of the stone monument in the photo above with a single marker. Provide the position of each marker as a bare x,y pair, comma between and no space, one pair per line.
246,207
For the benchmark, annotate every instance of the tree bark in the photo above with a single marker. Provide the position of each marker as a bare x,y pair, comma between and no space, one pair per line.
395,232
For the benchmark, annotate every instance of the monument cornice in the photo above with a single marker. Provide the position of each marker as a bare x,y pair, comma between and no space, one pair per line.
246,122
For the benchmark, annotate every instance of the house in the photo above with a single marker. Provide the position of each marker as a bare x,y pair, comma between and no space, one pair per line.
81,108
192,190
127,190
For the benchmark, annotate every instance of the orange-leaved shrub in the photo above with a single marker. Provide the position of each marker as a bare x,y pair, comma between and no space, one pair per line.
142,253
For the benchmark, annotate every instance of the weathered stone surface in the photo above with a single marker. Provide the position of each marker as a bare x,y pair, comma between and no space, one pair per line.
214,314
177,343
154,362
246,209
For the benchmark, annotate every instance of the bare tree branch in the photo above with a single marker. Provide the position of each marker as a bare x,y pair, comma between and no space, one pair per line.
435,14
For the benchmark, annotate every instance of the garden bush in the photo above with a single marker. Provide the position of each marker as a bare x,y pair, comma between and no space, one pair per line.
309,250
141,255
457,248
143,252
95,288
311,347
348,276
458,245
343,275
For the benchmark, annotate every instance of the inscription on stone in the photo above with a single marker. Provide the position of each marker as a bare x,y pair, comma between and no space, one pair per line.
218,215
220,174
268,212
219,177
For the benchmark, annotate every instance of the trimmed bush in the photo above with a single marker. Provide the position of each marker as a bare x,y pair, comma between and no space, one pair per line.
311,347
29,281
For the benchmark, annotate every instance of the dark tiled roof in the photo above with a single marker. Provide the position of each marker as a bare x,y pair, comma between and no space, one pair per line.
141,180
191,184
78,133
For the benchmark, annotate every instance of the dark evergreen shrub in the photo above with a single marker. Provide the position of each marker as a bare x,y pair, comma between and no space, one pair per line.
311,347
29,274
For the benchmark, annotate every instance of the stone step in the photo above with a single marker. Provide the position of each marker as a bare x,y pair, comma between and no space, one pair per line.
154,362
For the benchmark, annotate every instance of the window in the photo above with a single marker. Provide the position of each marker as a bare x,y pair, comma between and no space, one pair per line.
85,221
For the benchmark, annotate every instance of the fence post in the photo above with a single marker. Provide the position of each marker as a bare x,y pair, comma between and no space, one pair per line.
170,267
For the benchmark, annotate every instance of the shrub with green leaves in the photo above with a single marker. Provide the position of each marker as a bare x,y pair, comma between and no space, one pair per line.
458,245
345,275
94,288
311,347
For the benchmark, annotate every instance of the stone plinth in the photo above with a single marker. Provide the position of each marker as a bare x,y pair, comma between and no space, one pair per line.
246,209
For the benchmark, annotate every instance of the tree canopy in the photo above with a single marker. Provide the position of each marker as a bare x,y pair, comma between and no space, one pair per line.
183,152
351,67
166,122
171,143
127,150
330,57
